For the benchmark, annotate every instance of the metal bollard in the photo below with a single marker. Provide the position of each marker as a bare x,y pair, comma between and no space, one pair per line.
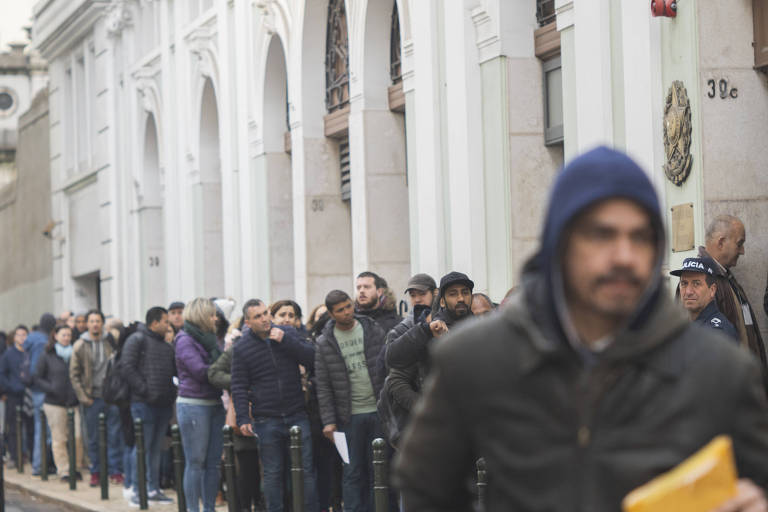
297,469
103,464
19,442
178,468
43,447
229,469
380,483
71,450
2,475
482,483
141,463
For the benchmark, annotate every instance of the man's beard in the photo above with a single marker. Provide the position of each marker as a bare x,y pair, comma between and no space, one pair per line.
459,311
370,304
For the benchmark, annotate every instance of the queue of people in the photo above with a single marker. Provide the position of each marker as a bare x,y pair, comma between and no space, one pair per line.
588,382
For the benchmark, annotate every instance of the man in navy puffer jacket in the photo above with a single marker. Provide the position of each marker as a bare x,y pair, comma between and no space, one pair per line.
266,391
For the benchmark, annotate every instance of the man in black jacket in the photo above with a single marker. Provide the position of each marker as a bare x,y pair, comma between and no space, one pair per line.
348,385
148,364
266,390
590,381
370,301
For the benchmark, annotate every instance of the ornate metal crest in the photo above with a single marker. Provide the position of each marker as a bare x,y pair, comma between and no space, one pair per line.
677,134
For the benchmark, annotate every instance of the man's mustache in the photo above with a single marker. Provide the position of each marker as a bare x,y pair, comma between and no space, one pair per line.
618,275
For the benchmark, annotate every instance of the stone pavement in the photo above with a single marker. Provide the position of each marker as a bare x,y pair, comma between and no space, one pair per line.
84,499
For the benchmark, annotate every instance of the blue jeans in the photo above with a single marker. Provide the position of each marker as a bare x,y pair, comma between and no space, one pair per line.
273,448
115,442
129,468
38,397
156,420
200,427
357,479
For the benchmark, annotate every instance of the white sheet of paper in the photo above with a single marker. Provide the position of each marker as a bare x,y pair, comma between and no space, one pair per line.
340,440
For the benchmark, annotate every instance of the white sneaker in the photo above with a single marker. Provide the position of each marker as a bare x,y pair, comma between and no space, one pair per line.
127,493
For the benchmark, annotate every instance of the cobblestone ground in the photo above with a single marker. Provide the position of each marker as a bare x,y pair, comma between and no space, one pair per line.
16,501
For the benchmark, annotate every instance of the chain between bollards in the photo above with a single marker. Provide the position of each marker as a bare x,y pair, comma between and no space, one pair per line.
43,447
178,467
297,469
482,483
103,464
141,464
380,484
229,469
19,442
71,451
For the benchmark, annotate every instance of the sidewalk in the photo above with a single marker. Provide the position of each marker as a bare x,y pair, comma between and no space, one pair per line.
84,499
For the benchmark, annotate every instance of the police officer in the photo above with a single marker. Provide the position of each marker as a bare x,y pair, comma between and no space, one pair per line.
697,292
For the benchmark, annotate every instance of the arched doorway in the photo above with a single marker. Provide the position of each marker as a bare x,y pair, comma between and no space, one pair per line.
277,162
152,239
208,216
380,202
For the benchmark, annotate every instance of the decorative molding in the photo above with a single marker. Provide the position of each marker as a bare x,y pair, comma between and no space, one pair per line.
486,34
119,17
565,16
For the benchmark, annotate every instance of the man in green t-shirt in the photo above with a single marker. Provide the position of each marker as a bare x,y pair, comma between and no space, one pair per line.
349,377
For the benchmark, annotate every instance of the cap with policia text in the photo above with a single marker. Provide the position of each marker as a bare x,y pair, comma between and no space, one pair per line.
701,265
421,282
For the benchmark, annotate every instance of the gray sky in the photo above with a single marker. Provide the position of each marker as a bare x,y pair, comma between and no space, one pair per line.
15,14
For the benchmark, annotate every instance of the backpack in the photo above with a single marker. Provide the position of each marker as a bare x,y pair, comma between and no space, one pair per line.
393,417
115,389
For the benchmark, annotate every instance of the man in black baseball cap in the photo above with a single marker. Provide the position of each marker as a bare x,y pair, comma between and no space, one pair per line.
176,315
697,292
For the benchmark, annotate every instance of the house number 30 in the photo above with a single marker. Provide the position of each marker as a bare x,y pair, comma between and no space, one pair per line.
721,87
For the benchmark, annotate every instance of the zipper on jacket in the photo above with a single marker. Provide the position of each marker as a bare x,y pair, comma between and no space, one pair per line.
277,374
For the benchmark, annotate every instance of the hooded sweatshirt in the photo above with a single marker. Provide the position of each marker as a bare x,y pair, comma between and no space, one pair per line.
562,427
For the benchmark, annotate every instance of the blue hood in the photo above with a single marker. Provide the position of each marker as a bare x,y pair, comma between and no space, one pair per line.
595,176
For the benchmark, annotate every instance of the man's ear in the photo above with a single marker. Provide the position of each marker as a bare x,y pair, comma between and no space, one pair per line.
442,303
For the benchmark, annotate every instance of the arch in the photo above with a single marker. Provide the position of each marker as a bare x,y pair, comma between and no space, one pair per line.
152,234
209,217
322,234
279,180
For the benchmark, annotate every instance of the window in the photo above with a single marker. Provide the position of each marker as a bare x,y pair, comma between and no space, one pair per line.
553,101
395,57
545,12
336,58
337,87
760,17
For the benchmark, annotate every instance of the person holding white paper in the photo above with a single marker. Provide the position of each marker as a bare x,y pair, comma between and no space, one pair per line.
348,385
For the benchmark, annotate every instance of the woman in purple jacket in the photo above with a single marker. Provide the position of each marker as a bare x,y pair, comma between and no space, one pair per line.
198,406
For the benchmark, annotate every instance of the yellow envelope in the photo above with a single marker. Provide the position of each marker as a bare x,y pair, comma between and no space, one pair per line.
703,481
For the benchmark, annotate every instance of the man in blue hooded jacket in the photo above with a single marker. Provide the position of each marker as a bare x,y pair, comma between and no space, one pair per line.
590,381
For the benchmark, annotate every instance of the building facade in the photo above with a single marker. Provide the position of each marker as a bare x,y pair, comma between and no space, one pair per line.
25,207
275,148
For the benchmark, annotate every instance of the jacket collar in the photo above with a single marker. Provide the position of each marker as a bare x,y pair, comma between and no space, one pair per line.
708,312
634,343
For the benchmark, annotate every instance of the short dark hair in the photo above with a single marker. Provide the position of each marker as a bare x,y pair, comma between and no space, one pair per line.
93,312
710,279
22,327
378,281
155,314
249,304
335,297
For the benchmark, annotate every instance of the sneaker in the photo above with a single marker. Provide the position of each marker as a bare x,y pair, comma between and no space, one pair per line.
134,501
94,480
159,497
116,479
127,494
